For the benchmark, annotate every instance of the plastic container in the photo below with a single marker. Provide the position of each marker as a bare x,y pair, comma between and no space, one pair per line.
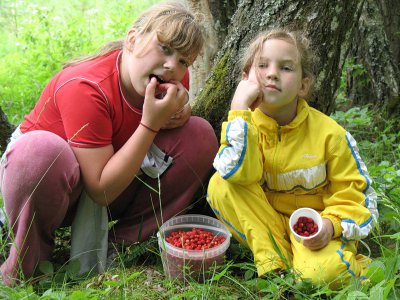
195,264
309,213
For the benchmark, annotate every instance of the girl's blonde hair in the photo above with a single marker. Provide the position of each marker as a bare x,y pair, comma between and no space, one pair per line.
299,40
174,26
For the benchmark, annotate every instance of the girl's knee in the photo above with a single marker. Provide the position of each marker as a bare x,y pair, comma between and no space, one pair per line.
41,148
200,132
318,272
219,189
39,162
334,270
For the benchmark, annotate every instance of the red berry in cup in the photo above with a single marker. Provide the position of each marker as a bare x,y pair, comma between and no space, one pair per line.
305,226
196,239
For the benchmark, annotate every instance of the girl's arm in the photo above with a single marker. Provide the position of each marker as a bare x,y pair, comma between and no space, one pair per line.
105,173
352,204
239,158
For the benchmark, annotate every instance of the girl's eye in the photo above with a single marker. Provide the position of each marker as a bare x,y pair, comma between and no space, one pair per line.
167,50
262,65
287,68
184,62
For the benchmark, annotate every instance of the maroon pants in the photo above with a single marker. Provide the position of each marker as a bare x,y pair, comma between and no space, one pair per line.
41,185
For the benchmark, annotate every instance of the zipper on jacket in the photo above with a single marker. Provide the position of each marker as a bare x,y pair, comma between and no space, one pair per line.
279,133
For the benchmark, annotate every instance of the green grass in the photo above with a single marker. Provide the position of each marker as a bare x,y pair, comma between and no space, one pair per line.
38,36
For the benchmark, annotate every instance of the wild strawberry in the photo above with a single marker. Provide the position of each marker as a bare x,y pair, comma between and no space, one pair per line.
305,226
196,239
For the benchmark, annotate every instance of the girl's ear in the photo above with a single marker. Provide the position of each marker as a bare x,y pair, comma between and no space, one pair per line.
130,39
245,76
305,87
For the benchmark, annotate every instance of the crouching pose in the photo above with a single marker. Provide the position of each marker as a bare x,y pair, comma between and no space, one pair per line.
99,124
278,154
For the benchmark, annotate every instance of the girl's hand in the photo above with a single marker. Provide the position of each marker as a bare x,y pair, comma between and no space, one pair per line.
157,111
183,114
248,93
179,118
323,238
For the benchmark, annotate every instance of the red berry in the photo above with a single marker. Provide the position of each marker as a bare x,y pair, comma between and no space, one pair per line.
196,239
305,226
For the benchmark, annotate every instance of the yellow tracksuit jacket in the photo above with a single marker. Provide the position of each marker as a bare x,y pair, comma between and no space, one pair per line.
311,162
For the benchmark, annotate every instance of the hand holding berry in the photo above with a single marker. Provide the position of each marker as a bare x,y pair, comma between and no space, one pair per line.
156,111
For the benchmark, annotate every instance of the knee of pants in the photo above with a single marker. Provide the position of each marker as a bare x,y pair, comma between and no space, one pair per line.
222,191
39,162
194,144
334,269
217,190
38,152
201,138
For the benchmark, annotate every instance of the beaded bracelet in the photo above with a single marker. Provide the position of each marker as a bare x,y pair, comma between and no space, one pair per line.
148,128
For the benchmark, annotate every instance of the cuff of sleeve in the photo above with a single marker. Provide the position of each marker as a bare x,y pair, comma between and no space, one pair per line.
337,228
244,114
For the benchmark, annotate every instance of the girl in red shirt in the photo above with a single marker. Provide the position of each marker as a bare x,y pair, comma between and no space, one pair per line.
100,123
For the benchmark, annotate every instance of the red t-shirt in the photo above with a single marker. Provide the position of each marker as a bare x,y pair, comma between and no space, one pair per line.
83,104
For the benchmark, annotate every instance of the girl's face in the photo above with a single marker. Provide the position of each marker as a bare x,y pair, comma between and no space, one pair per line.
156,60
280,75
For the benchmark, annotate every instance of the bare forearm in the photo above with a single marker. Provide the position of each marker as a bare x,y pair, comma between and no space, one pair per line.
121,168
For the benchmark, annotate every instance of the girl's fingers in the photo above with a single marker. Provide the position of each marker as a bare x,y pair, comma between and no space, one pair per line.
151,88
169,90
252,76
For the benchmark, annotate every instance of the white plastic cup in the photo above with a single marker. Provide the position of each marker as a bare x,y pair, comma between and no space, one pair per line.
309,213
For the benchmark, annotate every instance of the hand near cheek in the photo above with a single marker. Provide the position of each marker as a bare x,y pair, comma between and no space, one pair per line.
248,93
323,238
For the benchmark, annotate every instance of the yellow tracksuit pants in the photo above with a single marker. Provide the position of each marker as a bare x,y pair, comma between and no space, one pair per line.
250,218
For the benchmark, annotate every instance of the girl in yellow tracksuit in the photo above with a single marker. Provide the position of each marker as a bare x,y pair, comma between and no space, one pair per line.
278,154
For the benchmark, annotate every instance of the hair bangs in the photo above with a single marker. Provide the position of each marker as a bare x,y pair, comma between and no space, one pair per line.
183,35
175,26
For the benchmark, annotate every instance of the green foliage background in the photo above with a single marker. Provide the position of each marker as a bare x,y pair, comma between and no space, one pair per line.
39,36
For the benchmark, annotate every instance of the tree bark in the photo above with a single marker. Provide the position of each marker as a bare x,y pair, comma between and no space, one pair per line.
329,26
200,70
374,75
216,16
390,16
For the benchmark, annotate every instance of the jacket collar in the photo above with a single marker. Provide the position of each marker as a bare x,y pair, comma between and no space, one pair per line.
266,123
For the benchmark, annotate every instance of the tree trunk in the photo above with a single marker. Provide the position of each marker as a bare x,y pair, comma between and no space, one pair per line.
329,26
374,75
390,16
216,16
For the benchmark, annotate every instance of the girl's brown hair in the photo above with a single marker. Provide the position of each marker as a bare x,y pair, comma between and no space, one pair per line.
298,39
174,26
